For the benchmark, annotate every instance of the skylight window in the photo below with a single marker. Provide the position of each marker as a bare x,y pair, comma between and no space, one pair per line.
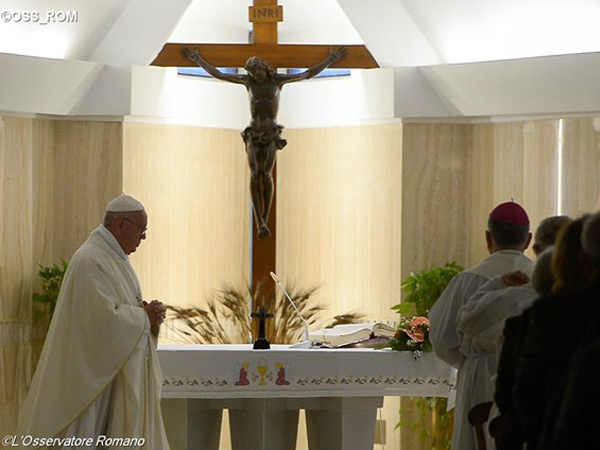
200,72
324,74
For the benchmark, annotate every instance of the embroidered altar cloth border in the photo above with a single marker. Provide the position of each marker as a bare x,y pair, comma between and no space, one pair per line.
238,371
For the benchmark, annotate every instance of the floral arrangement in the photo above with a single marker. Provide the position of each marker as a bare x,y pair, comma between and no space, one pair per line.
421,290
412,335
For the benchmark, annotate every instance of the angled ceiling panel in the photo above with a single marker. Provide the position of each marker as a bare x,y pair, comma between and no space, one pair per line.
390,33
140,32
486,30
544,85
59,91
63,29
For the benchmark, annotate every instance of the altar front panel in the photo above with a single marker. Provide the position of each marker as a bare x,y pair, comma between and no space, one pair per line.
238,371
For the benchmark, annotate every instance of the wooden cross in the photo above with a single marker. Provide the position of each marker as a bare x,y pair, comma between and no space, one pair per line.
265,15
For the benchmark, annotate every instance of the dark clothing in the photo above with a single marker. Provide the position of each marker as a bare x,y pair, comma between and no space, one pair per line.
555,331
579,415
511,435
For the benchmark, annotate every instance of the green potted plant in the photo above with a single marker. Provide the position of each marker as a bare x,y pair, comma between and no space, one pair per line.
421,291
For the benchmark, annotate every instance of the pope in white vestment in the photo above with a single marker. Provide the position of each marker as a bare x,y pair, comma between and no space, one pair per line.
445,335
98,376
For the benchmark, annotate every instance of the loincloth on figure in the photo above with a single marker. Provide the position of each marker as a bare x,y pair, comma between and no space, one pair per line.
264,136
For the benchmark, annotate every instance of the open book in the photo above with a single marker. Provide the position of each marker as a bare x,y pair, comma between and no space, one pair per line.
342,335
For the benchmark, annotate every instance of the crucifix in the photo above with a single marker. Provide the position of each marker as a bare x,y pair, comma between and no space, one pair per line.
263,130
261,343
263,136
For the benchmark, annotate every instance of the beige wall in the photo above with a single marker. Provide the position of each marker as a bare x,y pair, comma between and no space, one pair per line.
194,184
338,216
581,166
88,173
435,208
16,203
16,155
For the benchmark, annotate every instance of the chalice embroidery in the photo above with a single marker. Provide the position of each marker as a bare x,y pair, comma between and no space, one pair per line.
262,368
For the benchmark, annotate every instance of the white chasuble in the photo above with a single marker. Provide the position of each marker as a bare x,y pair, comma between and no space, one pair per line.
99,339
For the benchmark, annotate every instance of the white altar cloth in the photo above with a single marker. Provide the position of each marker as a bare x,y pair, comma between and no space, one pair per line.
340,390
237,371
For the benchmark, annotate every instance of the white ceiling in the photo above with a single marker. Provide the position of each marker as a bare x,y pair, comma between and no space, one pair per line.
399,33
450,58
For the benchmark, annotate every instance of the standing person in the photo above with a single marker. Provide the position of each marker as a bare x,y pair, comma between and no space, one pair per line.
576,425
509,428
263,136
507,237
482,322
98,376
481,319
555,327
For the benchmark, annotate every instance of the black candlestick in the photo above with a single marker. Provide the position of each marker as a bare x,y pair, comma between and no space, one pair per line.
261,343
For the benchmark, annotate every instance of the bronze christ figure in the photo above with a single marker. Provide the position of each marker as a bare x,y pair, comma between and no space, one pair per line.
263,136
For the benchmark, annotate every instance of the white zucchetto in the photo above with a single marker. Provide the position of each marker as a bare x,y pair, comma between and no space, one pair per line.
124,203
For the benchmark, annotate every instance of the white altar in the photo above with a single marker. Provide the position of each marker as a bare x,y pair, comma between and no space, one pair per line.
339,389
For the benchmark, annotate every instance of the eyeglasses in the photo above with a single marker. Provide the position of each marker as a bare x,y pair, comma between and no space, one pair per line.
140,228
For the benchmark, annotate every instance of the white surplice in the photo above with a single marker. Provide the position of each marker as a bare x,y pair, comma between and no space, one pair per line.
447,339
481,321
99,339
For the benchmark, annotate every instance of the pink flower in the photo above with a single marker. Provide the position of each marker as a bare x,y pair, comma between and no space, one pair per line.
416,328
416,334
420,320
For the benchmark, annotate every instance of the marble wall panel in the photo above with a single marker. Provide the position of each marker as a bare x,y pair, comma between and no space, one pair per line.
482,196
16,218
194,183
43,194
540,177
16,268
88,167
581,166
338,216
435,202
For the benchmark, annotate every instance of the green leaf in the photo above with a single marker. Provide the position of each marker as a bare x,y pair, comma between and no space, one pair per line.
51,279
403,308
422,289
